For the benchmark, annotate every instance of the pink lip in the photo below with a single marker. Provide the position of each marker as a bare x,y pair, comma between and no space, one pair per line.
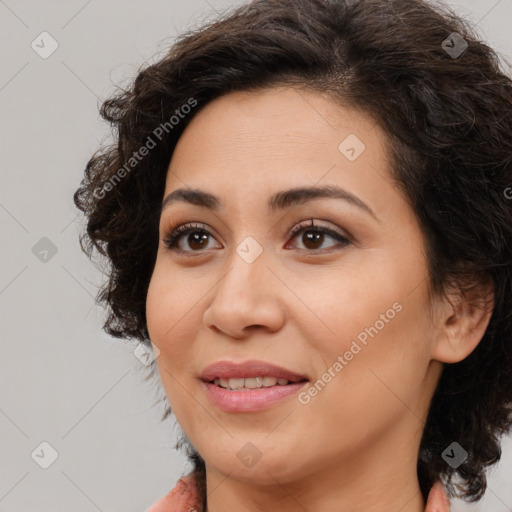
251,400
254,399
247,369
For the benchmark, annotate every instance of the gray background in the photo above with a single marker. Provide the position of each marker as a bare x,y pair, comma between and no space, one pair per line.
62,380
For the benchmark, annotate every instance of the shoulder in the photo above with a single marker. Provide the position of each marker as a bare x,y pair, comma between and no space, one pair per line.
182,498
437,499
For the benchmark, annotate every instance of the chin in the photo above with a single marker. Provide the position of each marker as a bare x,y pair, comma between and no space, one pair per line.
263,466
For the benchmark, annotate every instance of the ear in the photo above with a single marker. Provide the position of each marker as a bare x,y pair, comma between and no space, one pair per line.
461,321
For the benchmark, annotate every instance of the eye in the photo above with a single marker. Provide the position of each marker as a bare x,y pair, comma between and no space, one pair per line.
197,236
313,237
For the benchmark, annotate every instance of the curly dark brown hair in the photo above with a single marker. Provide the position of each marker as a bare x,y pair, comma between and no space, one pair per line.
439,94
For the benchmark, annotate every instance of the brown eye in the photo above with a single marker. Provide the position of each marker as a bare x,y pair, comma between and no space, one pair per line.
313,237
195,235
197,240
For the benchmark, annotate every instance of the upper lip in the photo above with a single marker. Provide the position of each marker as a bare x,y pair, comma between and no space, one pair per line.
248,369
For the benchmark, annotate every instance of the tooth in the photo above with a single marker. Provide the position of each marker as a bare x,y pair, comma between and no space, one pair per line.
236,383
250,383
253,382
269,381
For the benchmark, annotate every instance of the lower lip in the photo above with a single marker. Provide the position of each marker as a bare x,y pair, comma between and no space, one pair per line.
252,400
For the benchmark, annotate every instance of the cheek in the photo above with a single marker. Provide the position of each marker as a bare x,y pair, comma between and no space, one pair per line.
378,366
169,315
378,327
169,319
346,303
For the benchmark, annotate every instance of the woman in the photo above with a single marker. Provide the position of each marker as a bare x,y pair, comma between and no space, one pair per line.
307,216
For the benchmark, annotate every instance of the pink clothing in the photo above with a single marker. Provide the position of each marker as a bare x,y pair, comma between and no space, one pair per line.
183,498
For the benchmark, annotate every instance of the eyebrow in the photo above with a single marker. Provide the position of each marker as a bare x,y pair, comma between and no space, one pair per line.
279,201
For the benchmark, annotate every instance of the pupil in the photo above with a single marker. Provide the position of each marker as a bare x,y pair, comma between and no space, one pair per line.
197,238
313,237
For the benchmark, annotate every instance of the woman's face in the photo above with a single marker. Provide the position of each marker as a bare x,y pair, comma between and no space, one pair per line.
347,309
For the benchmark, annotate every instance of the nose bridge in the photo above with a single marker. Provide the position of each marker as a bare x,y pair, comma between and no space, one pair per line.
247,269
245,295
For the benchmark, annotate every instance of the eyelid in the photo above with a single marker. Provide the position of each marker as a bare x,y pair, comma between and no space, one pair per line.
296,228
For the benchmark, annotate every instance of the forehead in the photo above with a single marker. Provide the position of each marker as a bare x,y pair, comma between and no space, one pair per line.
276,132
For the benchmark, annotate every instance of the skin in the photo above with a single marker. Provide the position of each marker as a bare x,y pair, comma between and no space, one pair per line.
354,446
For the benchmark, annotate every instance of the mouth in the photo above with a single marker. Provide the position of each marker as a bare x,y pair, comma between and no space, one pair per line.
249,386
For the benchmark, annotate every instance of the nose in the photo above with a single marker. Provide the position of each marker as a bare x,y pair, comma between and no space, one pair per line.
248,296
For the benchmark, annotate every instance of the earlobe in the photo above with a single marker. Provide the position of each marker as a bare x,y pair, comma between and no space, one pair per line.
462,322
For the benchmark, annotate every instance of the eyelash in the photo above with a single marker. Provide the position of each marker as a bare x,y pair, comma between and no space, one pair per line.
175,233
